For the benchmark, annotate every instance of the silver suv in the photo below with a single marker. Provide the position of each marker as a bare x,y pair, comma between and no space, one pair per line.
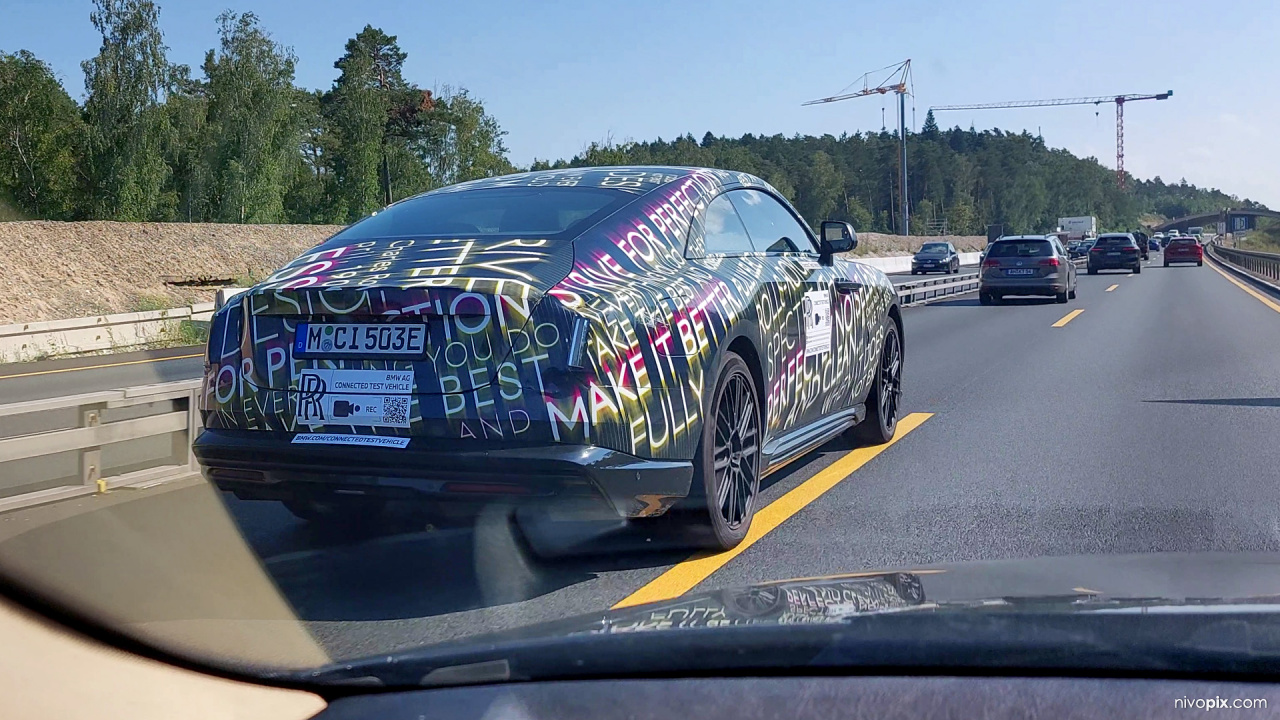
1027,265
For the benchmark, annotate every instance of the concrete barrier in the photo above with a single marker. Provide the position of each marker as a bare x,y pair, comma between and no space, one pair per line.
32,341
902,263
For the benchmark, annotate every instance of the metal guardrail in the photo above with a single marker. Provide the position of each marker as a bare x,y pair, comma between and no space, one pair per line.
53,338
96,429
918,291
1263,265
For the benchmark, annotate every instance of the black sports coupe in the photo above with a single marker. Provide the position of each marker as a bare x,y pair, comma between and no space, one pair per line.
621,340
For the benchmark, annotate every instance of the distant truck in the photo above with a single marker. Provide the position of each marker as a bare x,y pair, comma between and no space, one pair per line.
1078,228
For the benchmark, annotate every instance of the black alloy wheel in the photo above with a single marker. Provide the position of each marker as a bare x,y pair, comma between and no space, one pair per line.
886,393
730,471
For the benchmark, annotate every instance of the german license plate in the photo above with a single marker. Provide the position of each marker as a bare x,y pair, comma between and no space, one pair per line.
360,339
1113,254
1020,271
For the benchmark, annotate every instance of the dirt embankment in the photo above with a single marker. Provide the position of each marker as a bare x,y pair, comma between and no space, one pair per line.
880,245
56,270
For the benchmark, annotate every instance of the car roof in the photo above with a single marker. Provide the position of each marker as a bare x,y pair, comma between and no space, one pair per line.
1014,238
635,179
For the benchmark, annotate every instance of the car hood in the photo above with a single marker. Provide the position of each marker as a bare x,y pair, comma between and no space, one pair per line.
932,254
999,596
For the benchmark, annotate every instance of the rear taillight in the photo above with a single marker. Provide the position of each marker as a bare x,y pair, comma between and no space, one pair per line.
991,264
1131,249
1095,249
1050,262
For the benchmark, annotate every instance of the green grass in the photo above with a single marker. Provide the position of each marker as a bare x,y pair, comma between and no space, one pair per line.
146,303
192,332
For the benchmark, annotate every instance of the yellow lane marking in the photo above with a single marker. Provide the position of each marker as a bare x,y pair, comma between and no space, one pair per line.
96,367
685,575
1261,298
1068,317
1086,591
1113,287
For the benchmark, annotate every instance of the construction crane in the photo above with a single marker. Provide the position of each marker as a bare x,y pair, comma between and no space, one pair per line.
1119,100
897,80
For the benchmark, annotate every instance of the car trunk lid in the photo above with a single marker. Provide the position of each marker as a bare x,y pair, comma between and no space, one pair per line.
464,303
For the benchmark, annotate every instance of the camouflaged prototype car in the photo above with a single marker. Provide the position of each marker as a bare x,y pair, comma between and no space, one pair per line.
623,340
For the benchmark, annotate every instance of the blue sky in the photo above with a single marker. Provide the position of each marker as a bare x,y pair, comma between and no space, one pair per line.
560,74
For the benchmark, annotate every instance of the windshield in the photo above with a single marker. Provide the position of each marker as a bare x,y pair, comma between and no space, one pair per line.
1113,241
1021,248
502,211
335,336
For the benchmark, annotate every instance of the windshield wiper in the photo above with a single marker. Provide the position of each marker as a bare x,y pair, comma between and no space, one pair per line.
1002,639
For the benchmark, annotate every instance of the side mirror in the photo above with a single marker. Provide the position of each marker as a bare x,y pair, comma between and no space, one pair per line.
837,237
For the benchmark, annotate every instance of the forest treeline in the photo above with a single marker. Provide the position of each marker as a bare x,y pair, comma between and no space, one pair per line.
236,140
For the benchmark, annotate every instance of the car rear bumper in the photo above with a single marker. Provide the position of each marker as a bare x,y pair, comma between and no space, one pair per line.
576,480
1113,264
1051,285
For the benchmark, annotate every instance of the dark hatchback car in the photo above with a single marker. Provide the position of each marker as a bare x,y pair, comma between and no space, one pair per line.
1184,250
1027,265
1115,251
1142,239
604,341
936,257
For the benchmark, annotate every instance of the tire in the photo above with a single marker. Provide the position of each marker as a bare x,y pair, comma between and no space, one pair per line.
1071,294
878,427
1199,263
984,298
1137,269
731,440
1093,271
1166,263
1062,297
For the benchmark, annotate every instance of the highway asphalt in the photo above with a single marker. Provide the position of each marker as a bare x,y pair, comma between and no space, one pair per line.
1141,424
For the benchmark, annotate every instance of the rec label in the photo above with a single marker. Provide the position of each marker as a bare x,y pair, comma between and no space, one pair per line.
817,322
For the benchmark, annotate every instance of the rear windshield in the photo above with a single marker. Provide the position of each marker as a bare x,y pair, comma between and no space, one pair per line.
544,212
1116,241
1021,248
1183,241
934,248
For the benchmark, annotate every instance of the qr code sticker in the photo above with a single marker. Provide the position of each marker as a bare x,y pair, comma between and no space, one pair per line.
395,410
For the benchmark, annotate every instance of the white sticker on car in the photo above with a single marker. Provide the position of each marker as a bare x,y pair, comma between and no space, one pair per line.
371,398
817,322
810,264
363,440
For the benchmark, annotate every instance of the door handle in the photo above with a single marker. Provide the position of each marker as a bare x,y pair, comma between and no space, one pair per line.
847,286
